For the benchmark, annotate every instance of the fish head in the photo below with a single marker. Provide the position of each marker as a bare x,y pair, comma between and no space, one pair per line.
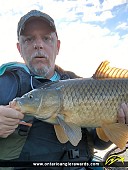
41,103
28,103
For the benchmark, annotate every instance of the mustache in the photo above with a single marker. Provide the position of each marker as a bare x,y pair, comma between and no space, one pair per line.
39,54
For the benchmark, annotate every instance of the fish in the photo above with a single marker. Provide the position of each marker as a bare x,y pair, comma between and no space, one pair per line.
78,103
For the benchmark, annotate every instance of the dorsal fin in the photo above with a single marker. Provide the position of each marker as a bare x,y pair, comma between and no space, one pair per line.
106,71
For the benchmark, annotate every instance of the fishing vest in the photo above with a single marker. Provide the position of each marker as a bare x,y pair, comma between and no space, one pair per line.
39,143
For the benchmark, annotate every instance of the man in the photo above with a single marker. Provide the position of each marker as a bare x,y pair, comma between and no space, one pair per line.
38,45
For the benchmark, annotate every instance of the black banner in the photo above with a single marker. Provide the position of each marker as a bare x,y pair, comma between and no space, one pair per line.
58,164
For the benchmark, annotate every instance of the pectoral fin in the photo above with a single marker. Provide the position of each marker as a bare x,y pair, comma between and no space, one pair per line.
117,133
72,131
62,137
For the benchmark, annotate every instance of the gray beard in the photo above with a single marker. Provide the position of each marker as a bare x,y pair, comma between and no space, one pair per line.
41,72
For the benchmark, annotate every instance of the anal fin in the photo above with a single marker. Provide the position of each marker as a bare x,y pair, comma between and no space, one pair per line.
117,133
101,134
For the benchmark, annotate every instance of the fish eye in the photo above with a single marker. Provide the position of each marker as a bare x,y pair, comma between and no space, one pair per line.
30,96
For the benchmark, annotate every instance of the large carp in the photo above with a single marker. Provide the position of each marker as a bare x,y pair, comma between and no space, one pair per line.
75,103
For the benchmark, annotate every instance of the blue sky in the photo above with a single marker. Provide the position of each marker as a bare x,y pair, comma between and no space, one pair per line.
90,31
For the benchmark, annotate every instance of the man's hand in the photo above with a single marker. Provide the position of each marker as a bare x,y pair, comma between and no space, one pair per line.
123,113
9,120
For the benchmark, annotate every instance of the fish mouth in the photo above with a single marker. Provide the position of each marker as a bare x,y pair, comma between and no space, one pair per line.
15,105
18,105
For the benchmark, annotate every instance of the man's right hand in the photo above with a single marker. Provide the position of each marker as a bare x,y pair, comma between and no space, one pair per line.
9,120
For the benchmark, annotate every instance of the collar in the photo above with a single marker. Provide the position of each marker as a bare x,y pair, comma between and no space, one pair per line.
9,65
55,77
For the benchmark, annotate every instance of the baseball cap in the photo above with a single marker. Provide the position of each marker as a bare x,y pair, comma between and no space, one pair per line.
33,14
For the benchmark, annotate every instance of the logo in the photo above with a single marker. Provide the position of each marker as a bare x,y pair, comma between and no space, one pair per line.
113,158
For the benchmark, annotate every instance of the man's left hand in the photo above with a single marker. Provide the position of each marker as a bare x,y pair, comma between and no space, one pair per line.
122,116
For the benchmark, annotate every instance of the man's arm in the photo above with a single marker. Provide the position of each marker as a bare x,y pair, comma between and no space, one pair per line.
8,87
9,118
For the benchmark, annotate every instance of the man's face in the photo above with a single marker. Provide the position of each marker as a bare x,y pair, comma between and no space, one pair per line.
39,46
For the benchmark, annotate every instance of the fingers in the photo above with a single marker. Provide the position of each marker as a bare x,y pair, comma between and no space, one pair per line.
11,113
121,116
6,130
9,120
125,109
7,133
123,113
4,127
